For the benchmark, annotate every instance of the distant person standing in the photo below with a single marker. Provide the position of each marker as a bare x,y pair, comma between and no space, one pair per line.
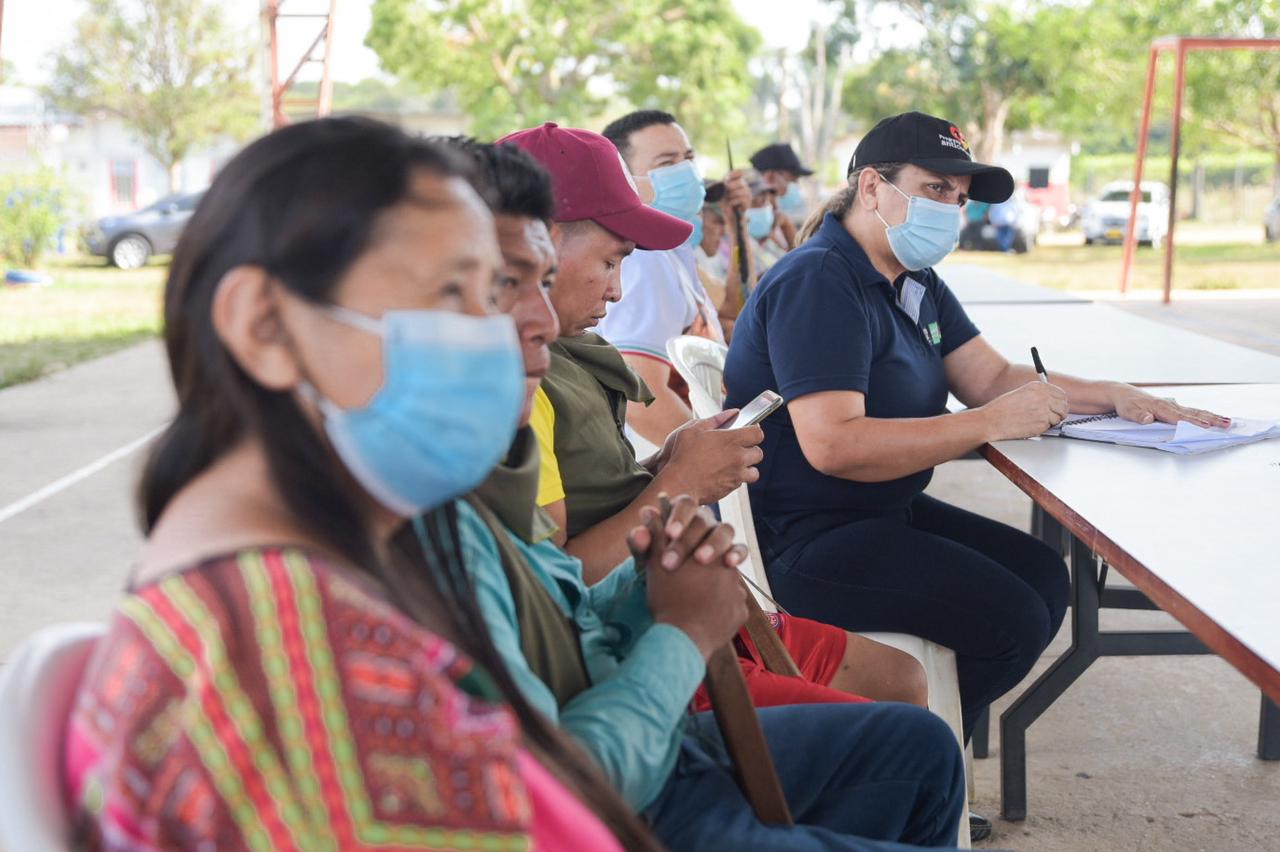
1004,217
781,170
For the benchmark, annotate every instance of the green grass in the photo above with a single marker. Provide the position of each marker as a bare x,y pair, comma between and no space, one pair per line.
1206,266
88,311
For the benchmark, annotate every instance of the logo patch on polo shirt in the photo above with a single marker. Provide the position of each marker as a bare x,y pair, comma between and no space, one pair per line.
934,334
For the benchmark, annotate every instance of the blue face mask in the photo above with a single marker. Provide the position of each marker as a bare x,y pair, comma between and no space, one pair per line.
678,190
792,204
447,410
695,239
759,222
930,232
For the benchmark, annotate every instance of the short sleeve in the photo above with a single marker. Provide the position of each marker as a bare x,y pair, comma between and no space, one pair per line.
816,328
653,308
957,328
543,422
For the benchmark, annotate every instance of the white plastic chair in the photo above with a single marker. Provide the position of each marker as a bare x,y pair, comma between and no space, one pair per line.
37,687
701,363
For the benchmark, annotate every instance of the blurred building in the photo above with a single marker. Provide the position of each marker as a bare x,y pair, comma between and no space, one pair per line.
111,173
1040,162
107,168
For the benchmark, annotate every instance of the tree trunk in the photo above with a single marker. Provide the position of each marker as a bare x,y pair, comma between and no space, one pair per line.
994,115
175,175
1197,191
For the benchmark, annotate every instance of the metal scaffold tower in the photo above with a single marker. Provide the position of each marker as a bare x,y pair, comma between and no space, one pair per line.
277,104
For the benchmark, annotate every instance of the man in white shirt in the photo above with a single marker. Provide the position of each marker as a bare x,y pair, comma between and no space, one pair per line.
662,296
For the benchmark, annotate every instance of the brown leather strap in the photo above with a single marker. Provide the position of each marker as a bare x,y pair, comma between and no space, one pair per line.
744,739
773,653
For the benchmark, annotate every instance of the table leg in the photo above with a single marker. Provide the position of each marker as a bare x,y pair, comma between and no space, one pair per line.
1269,730
981,735
1053,683
1046,528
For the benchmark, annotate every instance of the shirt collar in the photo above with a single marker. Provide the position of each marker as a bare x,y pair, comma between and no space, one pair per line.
834,233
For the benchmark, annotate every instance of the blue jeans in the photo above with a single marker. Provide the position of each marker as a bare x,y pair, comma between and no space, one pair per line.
1005,235
994,595
868,777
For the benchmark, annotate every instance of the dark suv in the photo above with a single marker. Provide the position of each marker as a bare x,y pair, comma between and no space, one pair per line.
127,241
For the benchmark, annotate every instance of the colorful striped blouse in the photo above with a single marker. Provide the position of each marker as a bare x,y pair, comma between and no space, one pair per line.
268,701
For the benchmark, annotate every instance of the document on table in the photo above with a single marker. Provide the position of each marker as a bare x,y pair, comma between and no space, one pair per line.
1184,438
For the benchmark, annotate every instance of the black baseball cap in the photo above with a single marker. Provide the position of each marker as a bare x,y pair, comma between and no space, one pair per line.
935,144
779,157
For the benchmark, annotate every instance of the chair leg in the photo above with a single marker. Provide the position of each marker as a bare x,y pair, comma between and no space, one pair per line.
981,734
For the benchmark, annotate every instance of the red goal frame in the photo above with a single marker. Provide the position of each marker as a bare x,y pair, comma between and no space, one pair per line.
1181,45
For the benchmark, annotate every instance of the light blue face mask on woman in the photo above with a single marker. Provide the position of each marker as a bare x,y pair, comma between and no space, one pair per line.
792,203
678,190
930,232
446,413
759,222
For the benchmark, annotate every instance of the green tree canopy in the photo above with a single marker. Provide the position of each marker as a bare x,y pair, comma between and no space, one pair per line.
171,70
522,62
983,64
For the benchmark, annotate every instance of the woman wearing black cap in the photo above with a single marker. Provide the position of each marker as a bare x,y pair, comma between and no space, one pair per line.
864,341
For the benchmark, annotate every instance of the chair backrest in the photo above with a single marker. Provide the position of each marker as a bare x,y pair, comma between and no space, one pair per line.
37,687
700,362
735,510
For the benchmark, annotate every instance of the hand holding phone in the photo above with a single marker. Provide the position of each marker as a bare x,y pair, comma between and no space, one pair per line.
755,410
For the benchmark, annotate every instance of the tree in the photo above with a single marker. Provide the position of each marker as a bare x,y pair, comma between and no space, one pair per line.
986,65
522,62
32,211
172,71
1232,98
816,77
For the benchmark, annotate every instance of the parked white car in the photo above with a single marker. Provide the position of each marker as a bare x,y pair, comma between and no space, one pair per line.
1107,217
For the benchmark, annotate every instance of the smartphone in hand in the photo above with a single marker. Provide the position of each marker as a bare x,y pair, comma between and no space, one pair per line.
755,410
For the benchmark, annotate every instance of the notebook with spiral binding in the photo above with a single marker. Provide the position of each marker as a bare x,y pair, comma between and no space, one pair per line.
1183,438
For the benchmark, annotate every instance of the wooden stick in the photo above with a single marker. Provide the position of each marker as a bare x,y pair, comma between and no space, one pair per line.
773,653
744,738
736,715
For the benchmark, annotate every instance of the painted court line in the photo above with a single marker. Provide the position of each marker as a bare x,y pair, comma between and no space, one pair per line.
75,476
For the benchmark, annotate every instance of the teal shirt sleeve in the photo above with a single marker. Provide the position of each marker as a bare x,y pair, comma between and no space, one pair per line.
622,598
631,721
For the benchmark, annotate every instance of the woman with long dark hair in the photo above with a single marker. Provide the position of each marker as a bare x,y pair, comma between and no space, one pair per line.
275,676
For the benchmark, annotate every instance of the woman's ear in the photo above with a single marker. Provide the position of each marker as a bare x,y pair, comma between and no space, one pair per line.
867,180
247,318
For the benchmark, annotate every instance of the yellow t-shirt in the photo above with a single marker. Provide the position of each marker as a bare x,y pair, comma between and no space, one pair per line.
543,421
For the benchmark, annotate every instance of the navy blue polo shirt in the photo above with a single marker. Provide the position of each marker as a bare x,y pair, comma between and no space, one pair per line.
823,319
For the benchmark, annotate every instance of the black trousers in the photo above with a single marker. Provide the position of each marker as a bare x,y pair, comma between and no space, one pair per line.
993,594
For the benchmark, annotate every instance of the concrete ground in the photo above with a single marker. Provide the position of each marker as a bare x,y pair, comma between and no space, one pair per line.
1243,317
1140,754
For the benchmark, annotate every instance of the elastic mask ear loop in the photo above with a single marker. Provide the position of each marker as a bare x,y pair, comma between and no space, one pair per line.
308,391
347,317
887,226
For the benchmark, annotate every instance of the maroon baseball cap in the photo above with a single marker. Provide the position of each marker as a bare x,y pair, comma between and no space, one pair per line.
590,181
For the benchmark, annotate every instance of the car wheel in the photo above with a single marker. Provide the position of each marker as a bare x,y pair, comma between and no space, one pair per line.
130,251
